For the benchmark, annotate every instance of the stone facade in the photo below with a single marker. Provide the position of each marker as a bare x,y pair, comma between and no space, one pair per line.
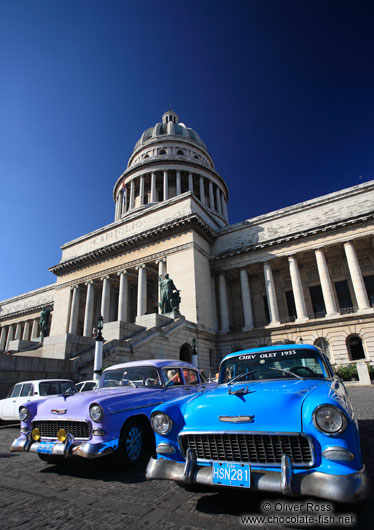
303,273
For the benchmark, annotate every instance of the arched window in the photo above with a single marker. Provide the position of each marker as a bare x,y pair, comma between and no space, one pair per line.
162,152
355,348
180,152
323,345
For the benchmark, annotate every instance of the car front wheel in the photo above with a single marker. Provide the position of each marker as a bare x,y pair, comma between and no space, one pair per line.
132,444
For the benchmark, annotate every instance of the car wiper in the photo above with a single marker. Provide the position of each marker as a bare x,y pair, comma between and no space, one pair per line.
285,371
240,376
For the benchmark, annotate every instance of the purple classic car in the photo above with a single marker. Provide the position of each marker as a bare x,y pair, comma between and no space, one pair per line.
114,418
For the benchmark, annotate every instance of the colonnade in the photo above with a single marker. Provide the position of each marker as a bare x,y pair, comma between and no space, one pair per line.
22,330
142,273
156,186
332,310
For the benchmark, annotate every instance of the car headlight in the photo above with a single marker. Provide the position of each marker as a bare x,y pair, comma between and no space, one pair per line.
329,419
161,423
24,413
96,412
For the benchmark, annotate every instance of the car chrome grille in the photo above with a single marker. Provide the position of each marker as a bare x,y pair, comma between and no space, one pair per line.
264,449
50,428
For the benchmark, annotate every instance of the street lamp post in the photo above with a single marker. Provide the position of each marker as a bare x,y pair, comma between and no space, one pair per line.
98,361
194,352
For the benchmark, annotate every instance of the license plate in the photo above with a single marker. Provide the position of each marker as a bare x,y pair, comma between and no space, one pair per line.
230,474
46,447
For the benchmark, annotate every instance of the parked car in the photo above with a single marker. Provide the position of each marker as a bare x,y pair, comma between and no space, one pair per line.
83,386
27,391
114,418
278,420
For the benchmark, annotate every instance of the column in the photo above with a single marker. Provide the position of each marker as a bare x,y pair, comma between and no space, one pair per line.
89,310
326,285
297,289
224,308
190,182
202,193
3,337
271,296
224,207
123,296
132,194
35,329
246,297
116,216
26,331
153,186
214,300
18,334
141,190
356,277
218,201
166,186
74,314
211,195
225,211
142,291
179,188
161,273
105,299
9,336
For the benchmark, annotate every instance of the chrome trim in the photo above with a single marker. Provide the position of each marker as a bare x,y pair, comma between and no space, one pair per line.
344,418
257,464
165,449
286,475
340,488
135,408
342,450
189,467
237,419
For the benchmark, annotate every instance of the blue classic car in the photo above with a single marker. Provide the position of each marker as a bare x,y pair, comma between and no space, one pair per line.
113,418
279,420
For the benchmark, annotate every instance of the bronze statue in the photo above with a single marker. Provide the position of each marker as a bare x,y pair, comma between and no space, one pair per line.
169,295
43,322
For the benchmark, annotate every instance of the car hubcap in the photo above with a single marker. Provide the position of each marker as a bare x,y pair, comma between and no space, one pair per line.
134,443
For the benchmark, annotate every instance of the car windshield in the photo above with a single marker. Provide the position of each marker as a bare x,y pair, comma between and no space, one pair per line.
281,364
136,376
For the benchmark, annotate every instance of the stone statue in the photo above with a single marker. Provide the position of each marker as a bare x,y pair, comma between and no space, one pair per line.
169,295
43,322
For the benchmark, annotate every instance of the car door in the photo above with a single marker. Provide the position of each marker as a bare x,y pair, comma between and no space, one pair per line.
21,393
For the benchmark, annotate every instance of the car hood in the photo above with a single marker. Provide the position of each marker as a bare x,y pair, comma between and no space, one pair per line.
110,399
274,405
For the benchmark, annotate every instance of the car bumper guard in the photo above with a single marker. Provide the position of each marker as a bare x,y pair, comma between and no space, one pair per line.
67,448
340,488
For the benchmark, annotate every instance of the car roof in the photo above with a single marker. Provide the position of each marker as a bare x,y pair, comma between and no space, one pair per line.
35,381
158,363
281,347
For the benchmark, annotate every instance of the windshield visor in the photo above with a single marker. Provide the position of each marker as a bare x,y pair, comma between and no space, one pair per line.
304,364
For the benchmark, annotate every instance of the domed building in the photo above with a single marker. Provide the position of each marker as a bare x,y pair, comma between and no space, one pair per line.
304,273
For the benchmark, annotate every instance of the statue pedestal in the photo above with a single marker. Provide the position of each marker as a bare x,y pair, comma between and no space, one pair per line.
173,315
153,320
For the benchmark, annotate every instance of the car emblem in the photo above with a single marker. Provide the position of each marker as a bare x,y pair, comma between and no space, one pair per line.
59,411
237,419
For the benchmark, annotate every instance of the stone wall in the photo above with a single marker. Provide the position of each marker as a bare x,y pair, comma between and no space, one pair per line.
16,368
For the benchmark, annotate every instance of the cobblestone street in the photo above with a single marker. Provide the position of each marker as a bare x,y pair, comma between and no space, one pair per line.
94,494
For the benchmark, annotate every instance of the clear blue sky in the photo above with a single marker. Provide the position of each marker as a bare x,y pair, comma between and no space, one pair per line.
281,92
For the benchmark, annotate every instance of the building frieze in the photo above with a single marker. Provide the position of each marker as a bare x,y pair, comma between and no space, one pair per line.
125,266
26,311
250,246
145,237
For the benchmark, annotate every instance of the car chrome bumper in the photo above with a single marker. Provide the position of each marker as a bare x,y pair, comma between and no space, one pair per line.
67,449
340,488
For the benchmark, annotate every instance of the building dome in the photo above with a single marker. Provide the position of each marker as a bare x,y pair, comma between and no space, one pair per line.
168,160
170,126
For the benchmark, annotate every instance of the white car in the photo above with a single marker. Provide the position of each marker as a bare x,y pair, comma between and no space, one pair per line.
29,391
83,386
